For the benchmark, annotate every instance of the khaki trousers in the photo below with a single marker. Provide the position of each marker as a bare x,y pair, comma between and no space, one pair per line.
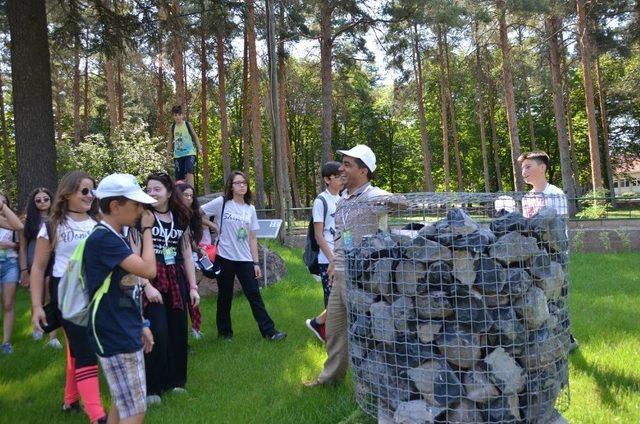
336,327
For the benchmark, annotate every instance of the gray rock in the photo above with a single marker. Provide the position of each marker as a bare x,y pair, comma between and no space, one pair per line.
464,266
408,276
513,247
533,308
505,372
439,276
459,347
551,229
381,278
360,301
425,250
427,331
361,327
409,352
506,328
416,412
382,325
437,383
504,409
465,412
476,242
478,386
543,348
550,280
513,221
385,416
403,313
460,224
433,305
518,281
472,313
490,276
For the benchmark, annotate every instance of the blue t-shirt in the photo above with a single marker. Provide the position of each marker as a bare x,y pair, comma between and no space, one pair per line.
118,322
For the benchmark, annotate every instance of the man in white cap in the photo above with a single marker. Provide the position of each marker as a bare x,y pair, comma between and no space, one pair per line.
352,223
117,330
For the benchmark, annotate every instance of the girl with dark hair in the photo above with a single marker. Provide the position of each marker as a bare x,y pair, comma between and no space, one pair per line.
171,291
238,255
9,274
197,228
73,215
35,214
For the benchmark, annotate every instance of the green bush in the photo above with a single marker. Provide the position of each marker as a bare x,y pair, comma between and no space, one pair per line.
129,150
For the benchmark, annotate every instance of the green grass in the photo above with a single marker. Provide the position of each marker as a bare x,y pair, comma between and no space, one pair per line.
252,381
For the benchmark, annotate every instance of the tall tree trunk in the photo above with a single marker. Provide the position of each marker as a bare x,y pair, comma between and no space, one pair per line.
443,113
452,113
110,76
204,116
326,74
246,108
282,96
494,132
178,56
6,169
422,119
480,111
160,124
527,96
585,58
510,102
569,114
552,26
57,102
222,101
31,92
605,131
120,90
77,128
85,107
256,128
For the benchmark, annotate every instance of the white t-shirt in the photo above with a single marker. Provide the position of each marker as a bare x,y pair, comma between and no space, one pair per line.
68,234
238,221
329,230
7,235
551,196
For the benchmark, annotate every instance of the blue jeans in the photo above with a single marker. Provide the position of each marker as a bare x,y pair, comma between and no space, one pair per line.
183,166
9,271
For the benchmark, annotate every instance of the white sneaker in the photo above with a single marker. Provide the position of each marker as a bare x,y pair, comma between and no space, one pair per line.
197,334
153,400
37,335
179,390
54,344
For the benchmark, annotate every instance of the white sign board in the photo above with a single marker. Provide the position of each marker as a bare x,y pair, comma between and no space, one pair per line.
269,228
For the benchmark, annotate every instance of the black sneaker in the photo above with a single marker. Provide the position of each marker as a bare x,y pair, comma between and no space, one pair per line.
74,408
102,420
316,329
277,336
573,344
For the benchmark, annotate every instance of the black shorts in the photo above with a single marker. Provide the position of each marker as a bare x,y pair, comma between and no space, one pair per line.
183,166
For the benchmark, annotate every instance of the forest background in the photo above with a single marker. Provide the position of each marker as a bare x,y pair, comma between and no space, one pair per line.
462,88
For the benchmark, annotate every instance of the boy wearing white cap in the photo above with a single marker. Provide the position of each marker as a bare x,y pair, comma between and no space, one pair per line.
117,330
352,223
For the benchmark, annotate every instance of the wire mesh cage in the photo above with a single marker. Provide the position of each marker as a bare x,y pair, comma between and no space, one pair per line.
458,307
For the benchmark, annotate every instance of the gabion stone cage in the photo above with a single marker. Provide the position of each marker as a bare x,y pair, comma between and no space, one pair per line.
458,309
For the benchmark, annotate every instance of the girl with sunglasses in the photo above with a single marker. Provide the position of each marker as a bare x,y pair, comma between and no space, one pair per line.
73,215
9,274
35,214
171,291
238,255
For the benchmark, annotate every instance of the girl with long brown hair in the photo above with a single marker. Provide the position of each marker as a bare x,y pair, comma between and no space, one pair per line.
73,216
238,255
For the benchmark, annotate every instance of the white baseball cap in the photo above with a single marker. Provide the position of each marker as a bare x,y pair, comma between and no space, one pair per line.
362,152
125,185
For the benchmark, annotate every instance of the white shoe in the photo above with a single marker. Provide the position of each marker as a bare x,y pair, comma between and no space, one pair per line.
197,334
37,335
54,344
179,390
153,400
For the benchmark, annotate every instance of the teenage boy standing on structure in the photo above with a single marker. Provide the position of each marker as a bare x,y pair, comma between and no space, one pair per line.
184,146
117,331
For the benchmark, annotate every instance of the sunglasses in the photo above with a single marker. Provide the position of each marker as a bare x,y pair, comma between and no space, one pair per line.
44,200
86,191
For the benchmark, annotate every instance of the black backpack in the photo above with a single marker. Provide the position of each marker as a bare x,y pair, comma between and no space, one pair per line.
311,248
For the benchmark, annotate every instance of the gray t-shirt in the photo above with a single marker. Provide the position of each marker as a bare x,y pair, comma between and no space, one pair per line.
238,221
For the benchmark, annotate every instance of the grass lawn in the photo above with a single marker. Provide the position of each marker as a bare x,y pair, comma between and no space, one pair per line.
250,380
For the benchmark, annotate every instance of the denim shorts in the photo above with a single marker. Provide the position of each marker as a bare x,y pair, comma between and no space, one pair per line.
9,271
183,166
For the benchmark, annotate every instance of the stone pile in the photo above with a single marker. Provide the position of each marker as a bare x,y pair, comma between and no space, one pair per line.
461,322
